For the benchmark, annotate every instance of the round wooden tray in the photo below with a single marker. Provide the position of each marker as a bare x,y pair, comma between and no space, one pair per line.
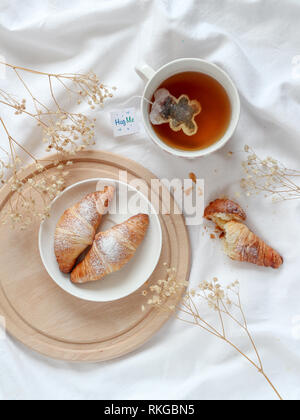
46,319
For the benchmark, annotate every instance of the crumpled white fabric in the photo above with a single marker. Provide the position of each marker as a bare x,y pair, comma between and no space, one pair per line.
255,42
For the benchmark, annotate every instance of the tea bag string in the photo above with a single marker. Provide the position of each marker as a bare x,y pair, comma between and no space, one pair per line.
122,104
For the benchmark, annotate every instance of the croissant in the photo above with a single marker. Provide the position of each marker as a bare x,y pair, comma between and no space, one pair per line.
243,245
240,243
222,211
112,250
77,227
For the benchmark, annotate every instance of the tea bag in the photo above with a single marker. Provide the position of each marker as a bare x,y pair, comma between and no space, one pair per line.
179,113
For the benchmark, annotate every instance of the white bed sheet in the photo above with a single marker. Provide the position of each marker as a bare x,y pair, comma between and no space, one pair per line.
255,41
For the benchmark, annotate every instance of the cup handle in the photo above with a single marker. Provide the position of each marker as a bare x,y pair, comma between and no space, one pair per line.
144,71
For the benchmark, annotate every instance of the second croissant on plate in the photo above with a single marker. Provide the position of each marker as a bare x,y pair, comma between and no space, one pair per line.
112,250
77,227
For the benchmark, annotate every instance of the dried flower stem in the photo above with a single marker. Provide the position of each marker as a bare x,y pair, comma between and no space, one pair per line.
269,176
63,132
219,300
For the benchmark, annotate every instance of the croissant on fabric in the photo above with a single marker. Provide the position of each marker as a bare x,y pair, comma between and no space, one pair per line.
222,211
112,250
78,225
240,243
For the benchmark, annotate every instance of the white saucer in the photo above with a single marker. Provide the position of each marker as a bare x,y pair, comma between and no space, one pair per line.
136,272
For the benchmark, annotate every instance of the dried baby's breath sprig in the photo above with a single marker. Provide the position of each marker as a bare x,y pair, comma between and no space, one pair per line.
225,302
269,176
63,132
31,196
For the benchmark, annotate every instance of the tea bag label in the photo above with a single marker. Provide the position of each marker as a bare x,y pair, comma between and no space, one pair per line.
124,122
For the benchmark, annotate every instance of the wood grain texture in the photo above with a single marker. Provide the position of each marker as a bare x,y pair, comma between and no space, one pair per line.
48,320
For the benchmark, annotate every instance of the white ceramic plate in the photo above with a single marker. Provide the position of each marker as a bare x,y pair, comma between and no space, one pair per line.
136,272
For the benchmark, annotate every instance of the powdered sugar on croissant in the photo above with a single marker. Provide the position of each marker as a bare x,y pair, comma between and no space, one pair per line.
112,250
77,227
240,243
243,245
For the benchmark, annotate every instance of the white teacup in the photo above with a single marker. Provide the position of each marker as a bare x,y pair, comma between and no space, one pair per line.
155,78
